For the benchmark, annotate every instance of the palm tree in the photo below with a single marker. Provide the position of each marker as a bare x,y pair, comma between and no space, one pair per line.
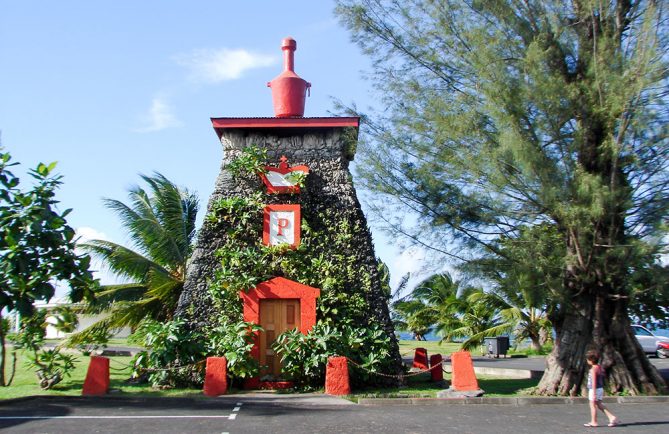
526,275
161,227
477,320
433,303
519,313
413,316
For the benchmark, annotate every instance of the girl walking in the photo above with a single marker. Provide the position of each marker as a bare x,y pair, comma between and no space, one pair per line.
596,391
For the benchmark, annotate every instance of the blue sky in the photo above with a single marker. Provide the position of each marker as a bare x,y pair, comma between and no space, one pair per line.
111,89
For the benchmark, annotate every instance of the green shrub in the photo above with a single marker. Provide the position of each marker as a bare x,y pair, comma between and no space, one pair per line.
172,356
234,341
175,355
50,365
304,357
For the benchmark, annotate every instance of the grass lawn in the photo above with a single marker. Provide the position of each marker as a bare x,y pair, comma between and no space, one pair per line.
25,381
407,348
420,386
113,342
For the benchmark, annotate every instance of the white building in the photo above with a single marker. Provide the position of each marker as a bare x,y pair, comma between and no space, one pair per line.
84,320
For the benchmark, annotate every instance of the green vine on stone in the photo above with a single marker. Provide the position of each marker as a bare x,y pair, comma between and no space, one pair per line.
239,214
251,161
245,262
297,178
327,258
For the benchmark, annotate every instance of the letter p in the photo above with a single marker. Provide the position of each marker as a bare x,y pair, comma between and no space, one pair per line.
282,224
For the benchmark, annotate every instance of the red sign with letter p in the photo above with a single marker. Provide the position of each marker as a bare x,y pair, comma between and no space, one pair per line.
281,225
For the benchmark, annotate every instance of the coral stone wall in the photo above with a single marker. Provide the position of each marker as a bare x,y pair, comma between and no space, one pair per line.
330,209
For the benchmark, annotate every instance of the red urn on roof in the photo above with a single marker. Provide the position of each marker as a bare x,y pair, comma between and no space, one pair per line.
289,91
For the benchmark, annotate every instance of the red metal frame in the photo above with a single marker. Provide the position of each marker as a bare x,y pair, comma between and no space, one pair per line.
221,124
324,122
282,169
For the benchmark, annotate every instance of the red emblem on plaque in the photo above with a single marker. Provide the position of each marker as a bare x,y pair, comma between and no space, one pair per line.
284,179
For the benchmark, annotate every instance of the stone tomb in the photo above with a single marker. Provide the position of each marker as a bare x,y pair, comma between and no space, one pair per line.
321,148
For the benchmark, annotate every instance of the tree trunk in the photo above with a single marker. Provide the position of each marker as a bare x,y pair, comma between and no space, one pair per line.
598,323
544,336
536,343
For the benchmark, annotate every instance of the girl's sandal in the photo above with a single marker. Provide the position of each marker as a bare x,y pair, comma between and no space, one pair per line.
590,425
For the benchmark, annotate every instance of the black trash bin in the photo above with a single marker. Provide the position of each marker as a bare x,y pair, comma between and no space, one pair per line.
497,346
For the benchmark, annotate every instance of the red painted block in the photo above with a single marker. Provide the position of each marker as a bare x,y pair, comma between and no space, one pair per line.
216,376
437,371
463,377
420,359
97,377
336,376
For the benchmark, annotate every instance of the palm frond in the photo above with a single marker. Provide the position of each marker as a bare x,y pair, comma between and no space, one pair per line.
161,225
130,314
107,295
165,287
159,242
121,260
145,228
175,208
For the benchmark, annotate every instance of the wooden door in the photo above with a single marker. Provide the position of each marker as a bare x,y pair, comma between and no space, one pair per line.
276,316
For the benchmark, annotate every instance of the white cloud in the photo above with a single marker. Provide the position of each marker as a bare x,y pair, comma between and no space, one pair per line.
85,233
159,117
215,66
411,260
100,271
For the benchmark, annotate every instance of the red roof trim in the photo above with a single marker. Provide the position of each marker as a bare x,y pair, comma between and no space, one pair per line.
229,123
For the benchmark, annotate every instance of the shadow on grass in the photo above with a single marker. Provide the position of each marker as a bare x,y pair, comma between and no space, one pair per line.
417,386
422,386
506,386
69,386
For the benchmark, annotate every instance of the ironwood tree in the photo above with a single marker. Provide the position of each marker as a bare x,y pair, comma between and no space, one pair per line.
504,114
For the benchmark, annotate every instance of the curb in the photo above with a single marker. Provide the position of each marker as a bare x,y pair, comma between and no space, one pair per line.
516,402
102,398
312,399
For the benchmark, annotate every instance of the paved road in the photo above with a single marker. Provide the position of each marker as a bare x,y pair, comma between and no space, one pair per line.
295,415
539,363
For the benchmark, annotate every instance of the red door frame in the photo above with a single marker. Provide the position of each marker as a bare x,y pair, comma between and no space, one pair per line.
277,288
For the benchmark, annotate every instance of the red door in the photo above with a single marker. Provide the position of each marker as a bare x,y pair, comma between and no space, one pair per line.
276,317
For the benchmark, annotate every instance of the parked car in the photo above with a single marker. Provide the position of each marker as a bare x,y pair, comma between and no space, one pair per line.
650,343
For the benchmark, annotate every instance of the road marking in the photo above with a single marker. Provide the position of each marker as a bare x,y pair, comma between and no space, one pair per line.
235,411
162,416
